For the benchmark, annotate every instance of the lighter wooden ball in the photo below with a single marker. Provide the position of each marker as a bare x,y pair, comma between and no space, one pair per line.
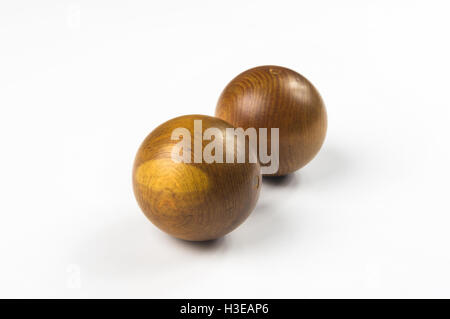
193,201
277,97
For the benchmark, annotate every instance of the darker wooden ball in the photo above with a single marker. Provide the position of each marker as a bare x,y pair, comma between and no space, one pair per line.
193,201
277,97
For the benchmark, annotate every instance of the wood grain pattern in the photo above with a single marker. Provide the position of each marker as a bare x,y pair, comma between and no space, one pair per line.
277,97
195,201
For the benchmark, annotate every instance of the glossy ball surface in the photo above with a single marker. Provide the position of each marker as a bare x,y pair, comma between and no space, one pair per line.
192,201
277,97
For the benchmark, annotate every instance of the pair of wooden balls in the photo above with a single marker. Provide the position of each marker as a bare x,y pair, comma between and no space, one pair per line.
195,200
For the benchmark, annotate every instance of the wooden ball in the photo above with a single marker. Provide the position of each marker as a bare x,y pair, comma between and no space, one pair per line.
193,201
277,97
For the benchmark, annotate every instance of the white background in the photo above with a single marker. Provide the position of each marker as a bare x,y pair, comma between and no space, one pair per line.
82,84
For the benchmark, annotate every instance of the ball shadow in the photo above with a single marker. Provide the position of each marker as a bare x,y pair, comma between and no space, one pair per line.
133,247
199,246
291,180
329,165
